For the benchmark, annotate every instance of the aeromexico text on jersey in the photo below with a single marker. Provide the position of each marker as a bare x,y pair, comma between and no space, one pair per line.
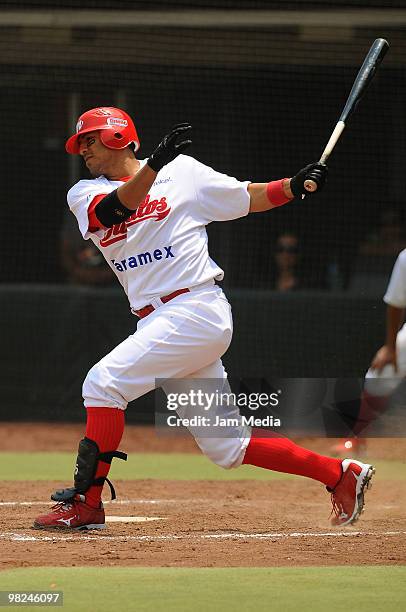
143,258
148,209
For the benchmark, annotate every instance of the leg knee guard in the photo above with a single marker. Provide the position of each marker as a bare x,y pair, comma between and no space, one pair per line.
86,467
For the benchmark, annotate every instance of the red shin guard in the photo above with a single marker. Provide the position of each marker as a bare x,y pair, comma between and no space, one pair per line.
283,455
104,426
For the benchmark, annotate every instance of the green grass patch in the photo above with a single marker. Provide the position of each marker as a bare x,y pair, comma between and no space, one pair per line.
314,589
165,466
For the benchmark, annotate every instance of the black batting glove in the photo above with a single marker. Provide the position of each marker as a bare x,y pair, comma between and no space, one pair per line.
171,146
316,172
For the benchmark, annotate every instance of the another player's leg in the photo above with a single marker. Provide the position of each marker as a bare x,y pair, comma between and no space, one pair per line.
80,507
346,408
379,387
373,402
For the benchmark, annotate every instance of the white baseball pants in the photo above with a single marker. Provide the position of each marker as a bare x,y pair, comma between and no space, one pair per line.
185,339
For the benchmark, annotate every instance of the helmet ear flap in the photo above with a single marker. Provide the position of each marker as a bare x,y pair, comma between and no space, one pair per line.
114,139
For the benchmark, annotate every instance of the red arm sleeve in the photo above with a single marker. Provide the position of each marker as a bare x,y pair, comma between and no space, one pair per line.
94,223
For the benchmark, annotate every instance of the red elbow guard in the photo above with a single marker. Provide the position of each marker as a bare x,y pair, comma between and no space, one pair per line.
276,194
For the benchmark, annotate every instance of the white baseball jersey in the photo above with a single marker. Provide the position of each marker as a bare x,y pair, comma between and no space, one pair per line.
396,292
163,246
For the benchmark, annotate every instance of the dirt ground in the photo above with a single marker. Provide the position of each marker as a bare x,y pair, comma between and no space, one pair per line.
202,523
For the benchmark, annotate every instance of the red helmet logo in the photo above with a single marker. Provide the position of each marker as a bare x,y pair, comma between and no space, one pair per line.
117,129
104,111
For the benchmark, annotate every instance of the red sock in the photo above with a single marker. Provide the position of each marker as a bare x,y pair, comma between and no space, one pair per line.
372,406
283,455
104,426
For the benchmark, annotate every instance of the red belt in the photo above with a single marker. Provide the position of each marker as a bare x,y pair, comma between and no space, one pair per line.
144,312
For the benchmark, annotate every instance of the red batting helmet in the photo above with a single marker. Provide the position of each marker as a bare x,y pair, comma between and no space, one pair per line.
117,129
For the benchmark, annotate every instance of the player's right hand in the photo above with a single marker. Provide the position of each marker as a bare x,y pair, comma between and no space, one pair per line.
385,356
316,172
171,146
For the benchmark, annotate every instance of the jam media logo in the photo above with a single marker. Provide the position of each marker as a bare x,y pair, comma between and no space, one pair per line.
148,209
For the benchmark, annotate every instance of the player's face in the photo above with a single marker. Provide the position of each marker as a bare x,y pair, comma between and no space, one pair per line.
97,157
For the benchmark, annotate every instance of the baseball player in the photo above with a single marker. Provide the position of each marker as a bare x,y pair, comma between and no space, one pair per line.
388,367
148,217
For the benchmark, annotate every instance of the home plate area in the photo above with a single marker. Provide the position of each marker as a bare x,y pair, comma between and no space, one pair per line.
208,523
132,519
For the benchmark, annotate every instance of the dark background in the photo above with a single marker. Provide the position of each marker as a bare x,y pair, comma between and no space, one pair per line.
262,100
255,127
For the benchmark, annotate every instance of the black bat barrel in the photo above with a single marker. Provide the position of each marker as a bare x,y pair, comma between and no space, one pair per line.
371,62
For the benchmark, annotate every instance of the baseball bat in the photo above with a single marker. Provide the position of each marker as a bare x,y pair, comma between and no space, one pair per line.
365,75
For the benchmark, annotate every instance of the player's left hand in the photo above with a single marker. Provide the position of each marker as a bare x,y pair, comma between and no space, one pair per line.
316,172
171,146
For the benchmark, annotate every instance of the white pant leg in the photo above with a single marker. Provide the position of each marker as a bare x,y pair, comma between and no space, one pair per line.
182,336
228,450
385,382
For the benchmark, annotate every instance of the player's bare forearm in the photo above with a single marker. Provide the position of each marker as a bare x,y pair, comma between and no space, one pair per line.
394,319
259,200
134,191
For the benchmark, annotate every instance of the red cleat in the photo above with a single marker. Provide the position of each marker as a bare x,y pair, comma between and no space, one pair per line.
73,514
348,496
